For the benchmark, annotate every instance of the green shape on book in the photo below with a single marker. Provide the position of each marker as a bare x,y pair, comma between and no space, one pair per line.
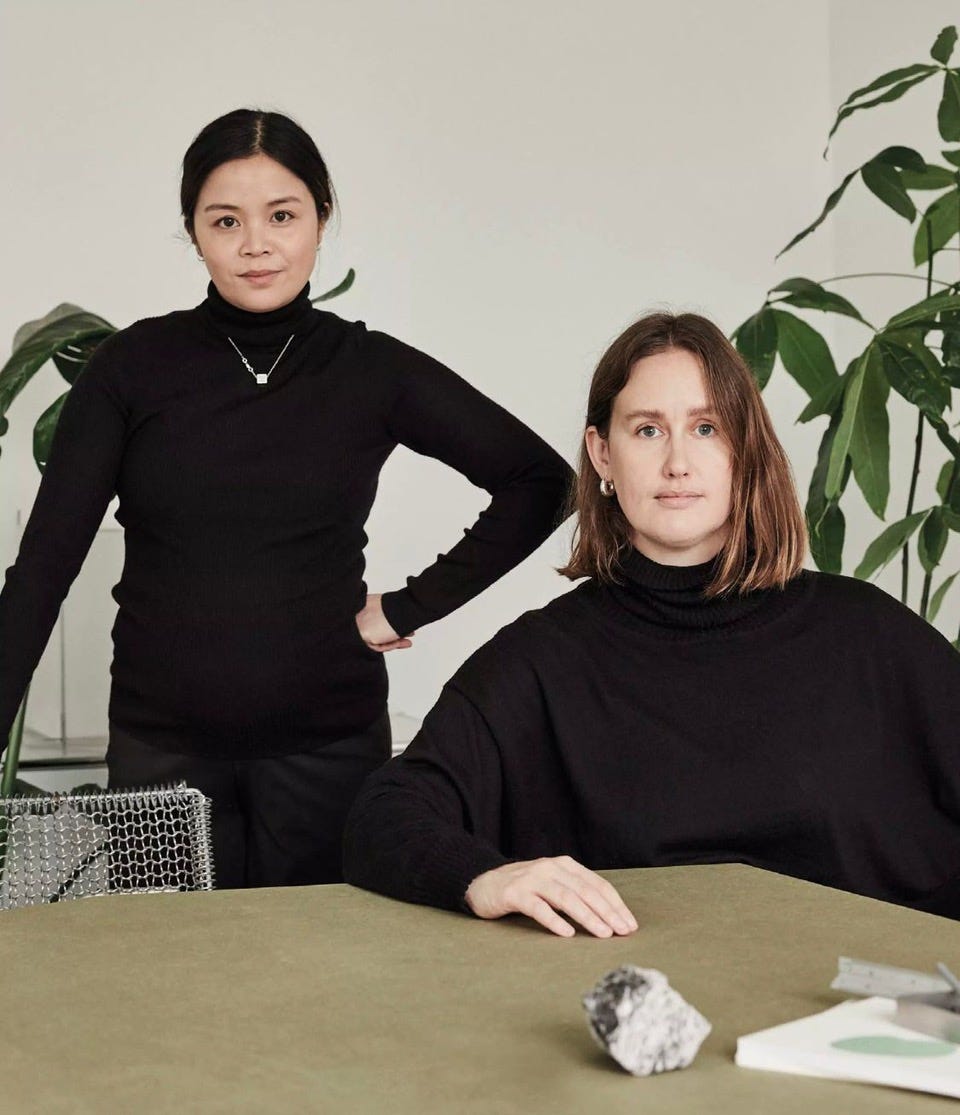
894,1047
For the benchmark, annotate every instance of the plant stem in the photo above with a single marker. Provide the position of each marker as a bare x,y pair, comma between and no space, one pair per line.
886,275
905,552
917,452
925,594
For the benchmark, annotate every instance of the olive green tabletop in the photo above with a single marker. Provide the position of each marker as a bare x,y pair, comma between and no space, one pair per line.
330,999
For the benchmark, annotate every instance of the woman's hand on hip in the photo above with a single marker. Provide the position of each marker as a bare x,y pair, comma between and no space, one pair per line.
374,629
541,887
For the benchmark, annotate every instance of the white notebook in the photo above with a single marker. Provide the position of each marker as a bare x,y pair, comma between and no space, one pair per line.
857,1040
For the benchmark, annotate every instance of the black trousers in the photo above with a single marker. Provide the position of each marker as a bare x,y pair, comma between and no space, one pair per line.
276,821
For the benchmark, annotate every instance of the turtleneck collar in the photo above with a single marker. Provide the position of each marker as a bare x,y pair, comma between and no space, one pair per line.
270,328
673,596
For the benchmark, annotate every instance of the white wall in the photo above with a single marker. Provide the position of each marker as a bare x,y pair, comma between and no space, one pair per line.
518,182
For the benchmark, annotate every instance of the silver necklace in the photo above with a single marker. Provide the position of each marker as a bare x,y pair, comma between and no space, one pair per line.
261,377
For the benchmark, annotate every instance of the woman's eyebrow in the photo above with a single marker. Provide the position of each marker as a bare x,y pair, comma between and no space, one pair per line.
657,415
236,208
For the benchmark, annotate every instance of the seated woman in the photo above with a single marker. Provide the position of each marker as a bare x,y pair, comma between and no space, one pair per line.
700,699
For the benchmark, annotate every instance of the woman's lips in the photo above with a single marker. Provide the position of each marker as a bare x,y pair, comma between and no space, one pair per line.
677,501
259,278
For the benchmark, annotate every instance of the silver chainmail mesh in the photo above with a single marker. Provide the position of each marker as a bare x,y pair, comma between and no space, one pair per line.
76,845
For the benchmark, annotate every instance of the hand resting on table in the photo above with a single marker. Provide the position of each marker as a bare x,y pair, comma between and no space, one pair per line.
541,887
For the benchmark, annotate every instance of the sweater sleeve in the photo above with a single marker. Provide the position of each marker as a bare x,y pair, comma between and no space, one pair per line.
428,823
77,485
436,413
931,670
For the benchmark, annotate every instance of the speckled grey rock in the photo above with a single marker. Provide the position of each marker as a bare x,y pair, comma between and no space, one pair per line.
645,1026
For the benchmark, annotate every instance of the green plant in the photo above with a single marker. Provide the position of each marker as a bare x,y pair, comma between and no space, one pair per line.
67,336
916,353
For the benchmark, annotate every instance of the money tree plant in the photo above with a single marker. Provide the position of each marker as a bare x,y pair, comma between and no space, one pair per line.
915,354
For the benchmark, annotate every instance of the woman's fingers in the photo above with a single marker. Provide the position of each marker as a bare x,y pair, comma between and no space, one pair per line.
604,897
397,644
573,899
545,914
545,888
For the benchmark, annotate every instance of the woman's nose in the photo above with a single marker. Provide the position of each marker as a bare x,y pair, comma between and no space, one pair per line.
255,241
676,462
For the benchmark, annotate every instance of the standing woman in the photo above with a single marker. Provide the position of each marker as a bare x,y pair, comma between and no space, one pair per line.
244,439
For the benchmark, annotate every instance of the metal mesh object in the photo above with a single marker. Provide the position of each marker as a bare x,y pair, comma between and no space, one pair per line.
76,845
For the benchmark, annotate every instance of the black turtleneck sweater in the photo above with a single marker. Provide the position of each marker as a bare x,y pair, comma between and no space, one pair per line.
243,508
813,731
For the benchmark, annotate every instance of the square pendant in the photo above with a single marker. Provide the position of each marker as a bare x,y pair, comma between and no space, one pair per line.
261,378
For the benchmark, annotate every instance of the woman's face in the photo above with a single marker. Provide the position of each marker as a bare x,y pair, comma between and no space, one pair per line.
257,229
669,461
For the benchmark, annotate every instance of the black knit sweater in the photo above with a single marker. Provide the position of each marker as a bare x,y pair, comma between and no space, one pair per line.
813,731
243,507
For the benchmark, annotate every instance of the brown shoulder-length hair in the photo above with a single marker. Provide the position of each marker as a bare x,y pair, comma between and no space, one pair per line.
768,537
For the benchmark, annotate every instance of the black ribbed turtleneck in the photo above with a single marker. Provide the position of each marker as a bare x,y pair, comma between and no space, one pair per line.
674,596
243,506
269,328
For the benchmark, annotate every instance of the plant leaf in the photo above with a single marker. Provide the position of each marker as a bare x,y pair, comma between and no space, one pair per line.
804,353
933,540
949,499
952,156
894,93
948,114
756,341
885,183
944,220
950,323
942,430
943,47
29,328
886,545
904,158
844,435
937,599
826,401
817,502
344,285
945,300
936,228
826,540
870,439
805,294
829,205
73,358
44,430
914,372
37,346
932,178
890,78
943,480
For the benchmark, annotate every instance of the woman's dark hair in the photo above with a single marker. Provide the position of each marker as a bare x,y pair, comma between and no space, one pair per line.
768,534
250,131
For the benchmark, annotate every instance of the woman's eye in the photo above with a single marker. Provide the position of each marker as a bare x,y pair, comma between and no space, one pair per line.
232,220
283,216
706,429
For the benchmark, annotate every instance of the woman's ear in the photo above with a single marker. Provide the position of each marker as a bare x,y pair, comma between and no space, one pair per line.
598,450
322,219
